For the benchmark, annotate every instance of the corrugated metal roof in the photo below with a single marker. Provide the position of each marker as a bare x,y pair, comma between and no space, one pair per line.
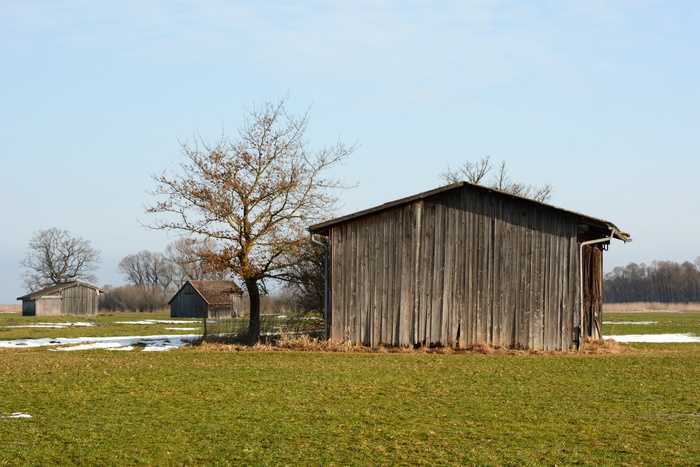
324,227
57,288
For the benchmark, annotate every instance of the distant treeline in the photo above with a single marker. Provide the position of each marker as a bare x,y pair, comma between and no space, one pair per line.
662,281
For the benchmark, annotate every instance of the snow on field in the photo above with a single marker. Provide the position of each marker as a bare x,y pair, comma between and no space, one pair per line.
157,321
656,338
149,343
16,415
53,325
83,324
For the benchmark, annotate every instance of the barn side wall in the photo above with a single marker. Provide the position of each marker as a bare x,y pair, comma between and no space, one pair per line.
465,268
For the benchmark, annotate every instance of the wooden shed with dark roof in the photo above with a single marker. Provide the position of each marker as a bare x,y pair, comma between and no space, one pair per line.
68,298
466,265
207,299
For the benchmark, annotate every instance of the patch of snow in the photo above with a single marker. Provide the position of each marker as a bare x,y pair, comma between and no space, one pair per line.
656,338
156,321
17,415
52,325
91,345
181,329
158,348
165,342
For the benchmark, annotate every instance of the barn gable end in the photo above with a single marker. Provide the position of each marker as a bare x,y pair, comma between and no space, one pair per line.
207,299
463,265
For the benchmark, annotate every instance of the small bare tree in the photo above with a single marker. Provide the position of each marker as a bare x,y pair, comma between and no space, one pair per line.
306,279
54,257
255,196
475,172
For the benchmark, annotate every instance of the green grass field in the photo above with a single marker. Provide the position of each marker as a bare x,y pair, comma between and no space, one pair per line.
15,326
651,323
193,406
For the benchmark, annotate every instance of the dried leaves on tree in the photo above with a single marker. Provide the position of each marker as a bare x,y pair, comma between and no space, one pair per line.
255,195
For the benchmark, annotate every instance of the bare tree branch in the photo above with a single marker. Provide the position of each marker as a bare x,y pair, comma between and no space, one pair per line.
475,172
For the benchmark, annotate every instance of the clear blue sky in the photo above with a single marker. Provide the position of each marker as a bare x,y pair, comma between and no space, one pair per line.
598,98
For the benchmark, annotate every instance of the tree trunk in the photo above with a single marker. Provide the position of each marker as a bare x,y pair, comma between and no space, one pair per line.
254,324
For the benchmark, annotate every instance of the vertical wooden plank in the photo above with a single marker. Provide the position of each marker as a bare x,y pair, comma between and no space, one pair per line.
461,255
435,282
421,243
450,292
427,272
407,276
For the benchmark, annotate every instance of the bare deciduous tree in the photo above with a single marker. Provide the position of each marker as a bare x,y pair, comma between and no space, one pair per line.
475,172
188,258
254,195
662,281
147,269
134,298
54,257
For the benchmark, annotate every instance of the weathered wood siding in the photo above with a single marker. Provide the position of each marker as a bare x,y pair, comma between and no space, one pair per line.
188,304
467,268
592,291
79,300
49,305
74,300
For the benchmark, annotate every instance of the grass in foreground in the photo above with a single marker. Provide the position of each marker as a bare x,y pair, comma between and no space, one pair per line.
196,406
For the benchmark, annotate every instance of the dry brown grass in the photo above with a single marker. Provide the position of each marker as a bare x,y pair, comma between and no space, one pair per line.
304,343
604,346
10,308
651,306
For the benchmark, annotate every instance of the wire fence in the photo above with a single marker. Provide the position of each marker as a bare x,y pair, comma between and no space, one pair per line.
272,326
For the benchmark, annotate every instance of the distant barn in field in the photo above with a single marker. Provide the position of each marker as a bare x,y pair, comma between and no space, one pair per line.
207,299
68,298
465,265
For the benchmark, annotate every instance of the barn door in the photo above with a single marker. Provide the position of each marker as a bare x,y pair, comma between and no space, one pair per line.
592,326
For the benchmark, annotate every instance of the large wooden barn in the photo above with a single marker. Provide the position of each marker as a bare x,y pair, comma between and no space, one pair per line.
68,298
207,299
465,265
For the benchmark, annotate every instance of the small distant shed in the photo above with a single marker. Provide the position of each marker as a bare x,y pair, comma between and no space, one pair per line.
207,299
68,298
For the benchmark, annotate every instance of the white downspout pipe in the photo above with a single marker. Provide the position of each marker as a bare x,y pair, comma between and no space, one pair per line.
326,297
580,273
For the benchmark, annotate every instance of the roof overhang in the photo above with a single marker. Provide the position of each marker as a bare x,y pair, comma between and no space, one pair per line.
324,228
